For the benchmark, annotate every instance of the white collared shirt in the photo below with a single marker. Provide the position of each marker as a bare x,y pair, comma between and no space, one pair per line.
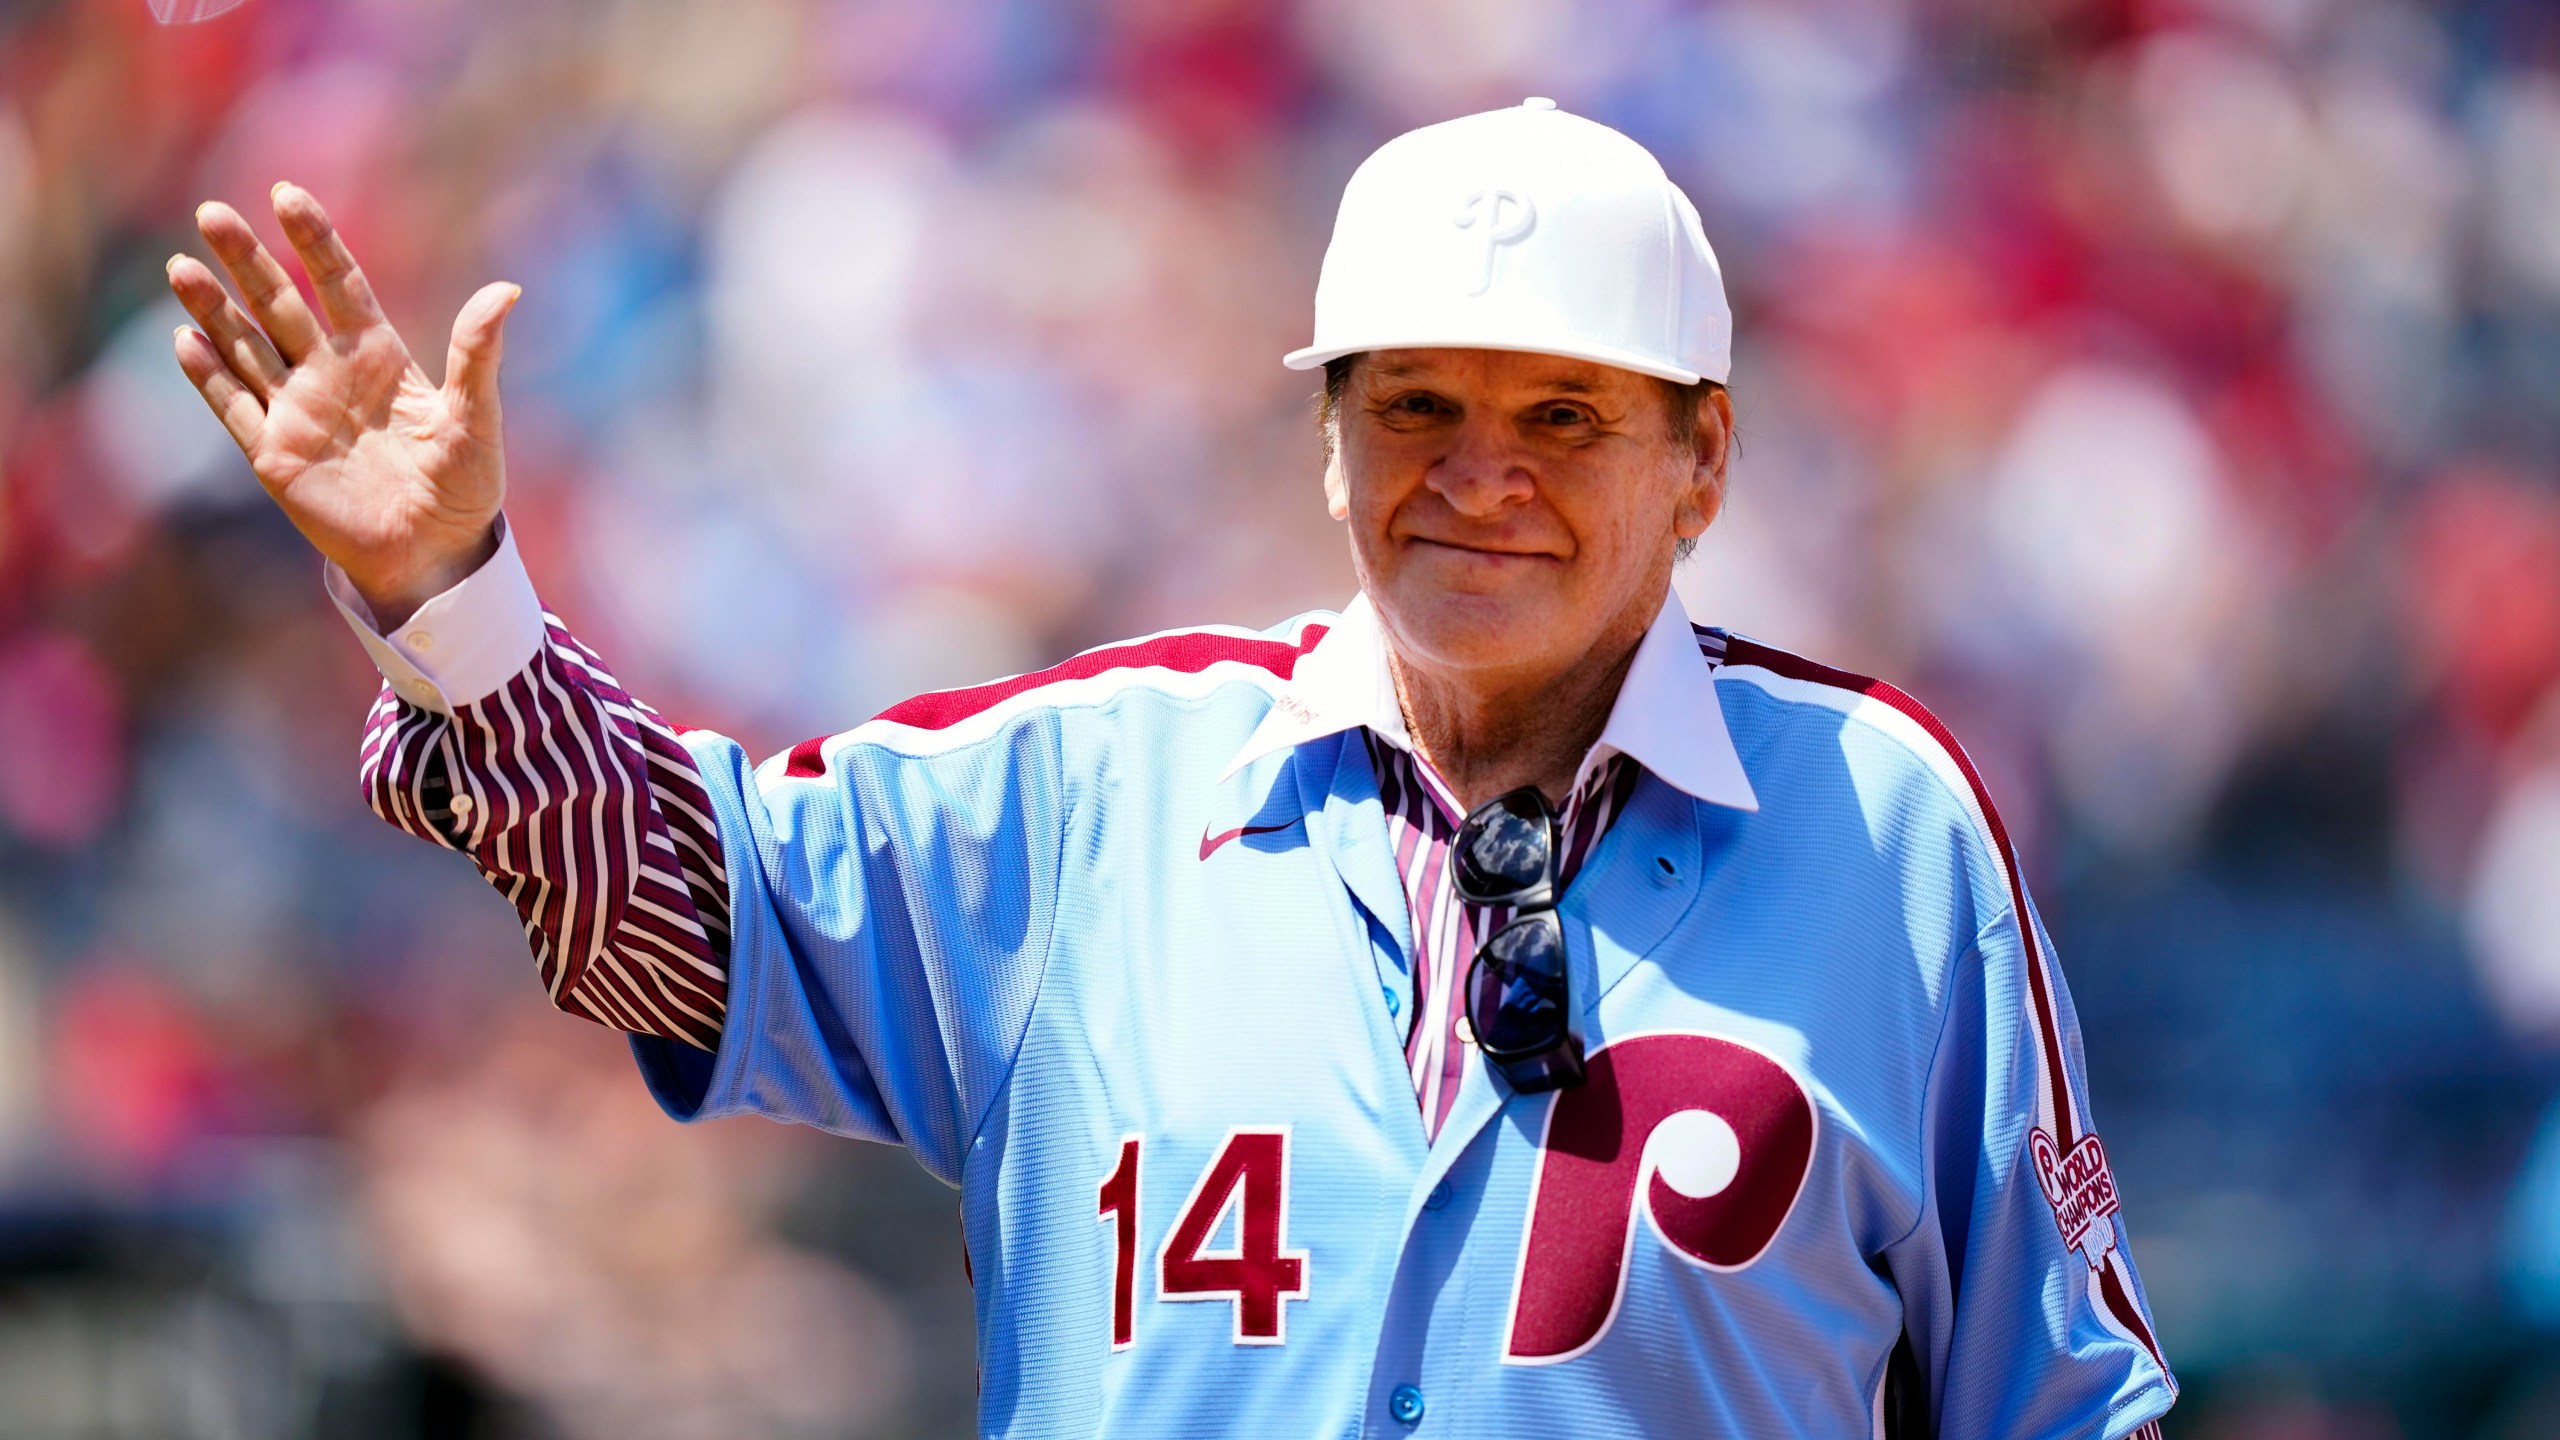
1666,717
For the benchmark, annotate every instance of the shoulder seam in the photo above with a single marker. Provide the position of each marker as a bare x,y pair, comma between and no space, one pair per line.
1955,962
1039,986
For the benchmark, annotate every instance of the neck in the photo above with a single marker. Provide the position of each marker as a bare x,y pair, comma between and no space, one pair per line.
1489,734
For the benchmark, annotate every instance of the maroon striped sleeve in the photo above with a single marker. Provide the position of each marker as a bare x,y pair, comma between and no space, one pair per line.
581,807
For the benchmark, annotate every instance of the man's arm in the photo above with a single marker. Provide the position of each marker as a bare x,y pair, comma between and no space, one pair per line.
2020,1296
852,943
503,737
510,742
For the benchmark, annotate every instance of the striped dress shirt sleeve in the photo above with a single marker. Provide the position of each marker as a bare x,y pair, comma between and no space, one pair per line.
579,804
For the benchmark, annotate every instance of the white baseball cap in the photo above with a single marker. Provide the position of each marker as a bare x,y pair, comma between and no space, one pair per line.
1522,229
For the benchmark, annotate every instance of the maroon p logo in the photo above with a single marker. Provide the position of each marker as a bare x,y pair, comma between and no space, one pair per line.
1708,1137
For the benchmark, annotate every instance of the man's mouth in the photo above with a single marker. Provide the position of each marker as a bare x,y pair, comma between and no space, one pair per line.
1490,552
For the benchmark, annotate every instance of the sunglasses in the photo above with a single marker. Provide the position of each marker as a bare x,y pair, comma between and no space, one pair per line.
1519,999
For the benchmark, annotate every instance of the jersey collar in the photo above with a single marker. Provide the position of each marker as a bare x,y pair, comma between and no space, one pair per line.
1666,717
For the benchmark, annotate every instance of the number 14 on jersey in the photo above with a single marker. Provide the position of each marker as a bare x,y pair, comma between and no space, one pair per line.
1250,1176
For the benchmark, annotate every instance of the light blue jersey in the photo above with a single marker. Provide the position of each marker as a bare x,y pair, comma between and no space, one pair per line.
1120,950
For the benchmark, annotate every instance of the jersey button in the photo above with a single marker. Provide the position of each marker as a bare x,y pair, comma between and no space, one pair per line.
1406,1405
1395,1002
1438,1199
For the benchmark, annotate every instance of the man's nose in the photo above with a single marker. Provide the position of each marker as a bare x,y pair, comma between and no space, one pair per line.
1484,469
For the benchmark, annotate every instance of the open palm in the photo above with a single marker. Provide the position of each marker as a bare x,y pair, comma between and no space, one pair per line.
395,478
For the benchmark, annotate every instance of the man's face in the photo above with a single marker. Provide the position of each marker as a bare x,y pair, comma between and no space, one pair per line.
1512,512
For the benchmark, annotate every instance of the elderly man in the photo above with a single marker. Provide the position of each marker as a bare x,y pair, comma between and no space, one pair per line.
1501,1008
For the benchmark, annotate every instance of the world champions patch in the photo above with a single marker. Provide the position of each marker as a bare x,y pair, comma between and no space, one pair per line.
2082,1191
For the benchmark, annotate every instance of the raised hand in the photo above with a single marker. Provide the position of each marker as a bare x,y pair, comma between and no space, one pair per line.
395,478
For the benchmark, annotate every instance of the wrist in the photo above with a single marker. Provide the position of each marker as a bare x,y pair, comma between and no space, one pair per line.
395,595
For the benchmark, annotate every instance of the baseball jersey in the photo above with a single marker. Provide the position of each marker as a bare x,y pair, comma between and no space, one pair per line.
1116,949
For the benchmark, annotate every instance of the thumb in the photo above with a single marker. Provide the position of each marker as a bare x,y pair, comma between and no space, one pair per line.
471,366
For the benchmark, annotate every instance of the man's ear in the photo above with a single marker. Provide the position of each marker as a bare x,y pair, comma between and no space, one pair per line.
1702,498
1337,487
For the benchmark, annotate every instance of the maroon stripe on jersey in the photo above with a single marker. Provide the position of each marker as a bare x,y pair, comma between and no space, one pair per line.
1739,651
2111,1285
1186,654
805,762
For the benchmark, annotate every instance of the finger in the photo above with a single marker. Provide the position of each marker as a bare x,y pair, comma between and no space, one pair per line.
237,409
264,287
471,366
346,297
238,342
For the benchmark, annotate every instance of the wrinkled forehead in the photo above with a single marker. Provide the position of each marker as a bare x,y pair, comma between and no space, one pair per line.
1496,371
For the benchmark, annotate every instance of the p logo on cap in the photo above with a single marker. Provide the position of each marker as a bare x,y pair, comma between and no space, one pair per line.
1506,216
1522,229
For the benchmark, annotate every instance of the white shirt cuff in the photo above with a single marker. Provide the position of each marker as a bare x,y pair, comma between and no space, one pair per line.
463,644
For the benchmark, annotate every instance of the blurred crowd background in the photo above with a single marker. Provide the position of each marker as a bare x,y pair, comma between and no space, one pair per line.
2168,391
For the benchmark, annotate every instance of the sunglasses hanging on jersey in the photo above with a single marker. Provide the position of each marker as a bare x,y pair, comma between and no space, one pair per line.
1519,993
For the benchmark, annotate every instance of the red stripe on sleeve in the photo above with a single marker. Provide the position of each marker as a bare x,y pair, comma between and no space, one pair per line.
806,763
1738,651
1187,653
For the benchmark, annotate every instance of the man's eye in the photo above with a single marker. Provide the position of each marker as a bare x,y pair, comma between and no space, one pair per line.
1565,415
1416,404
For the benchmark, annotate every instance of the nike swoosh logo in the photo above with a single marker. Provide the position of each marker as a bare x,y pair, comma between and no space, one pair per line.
1209,843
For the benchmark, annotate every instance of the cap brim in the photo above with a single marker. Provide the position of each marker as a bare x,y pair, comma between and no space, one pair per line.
1316,355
